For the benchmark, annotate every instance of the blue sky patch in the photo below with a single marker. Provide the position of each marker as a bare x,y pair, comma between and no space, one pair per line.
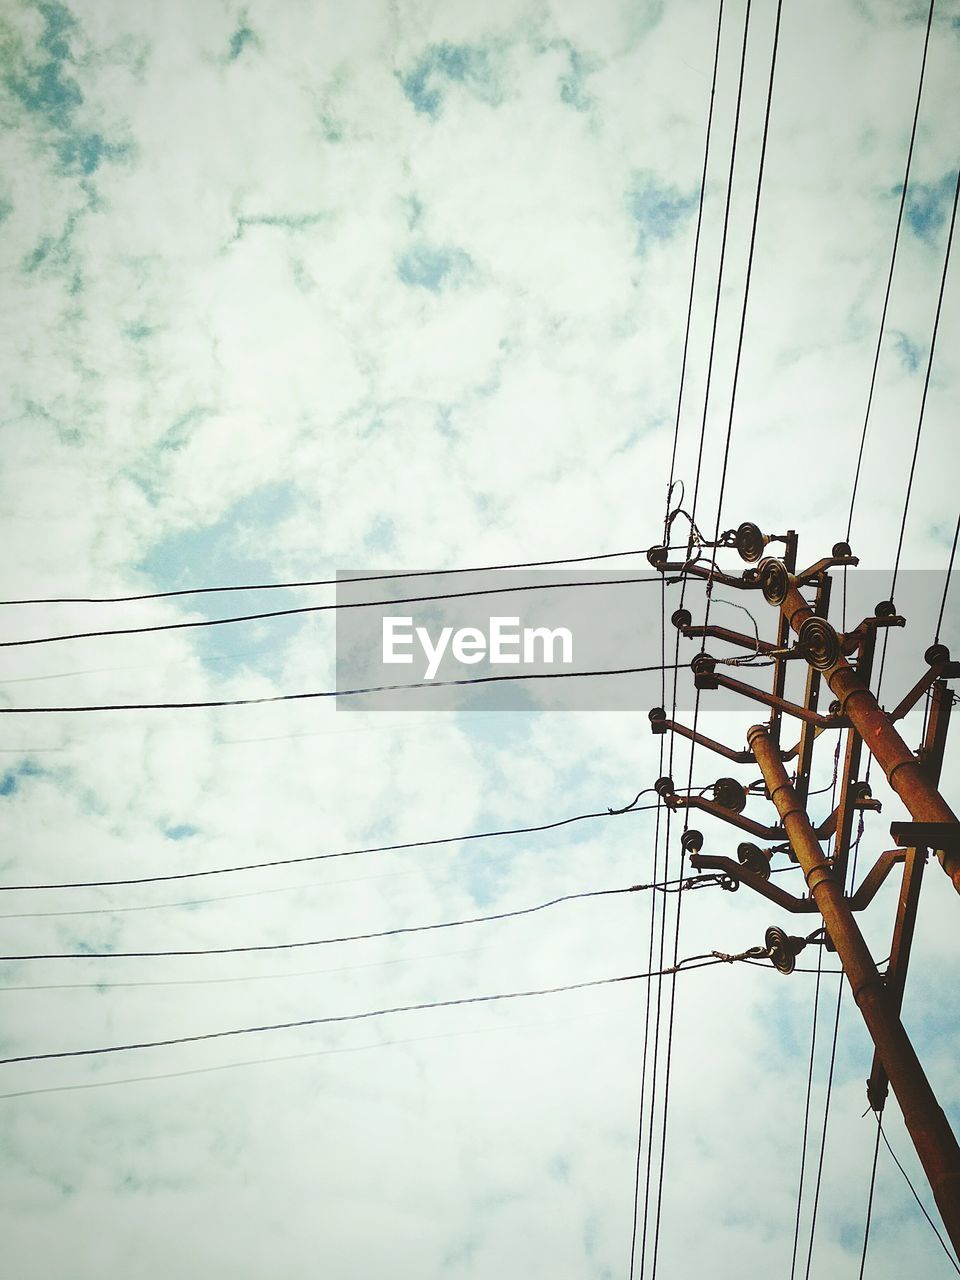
220,548
182,831
909,351
83,153
573,85
10,781
658,208
427,266
444,64
45,89
243,37
928,205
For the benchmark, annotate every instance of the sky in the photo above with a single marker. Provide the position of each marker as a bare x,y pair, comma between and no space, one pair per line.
299,288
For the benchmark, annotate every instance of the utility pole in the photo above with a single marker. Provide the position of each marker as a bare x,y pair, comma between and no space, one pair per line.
842,661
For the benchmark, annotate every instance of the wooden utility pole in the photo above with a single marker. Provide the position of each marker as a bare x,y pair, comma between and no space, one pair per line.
844,663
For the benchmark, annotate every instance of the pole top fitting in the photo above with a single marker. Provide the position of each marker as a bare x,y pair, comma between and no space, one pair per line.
756,731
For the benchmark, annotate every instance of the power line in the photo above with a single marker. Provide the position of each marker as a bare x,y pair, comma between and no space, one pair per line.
726,457
288,1057
693,283
663,655
322,582
946,582
692,962
906,1176
338,606
920,418
893,259
322,857
926,383
873,1183
324,942
806,1117
198,902
325,693
234,978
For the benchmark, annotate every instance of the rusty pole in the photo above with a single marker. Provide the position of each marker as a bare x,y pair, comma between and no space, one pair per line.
926,1123
906,775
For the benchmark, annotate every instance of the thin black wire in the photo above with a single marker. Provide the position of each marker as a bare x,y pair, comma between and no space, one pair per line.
232,979
916,443
809,1093
893,259
323,693
806,1117
746,291
906,1176
823,1131
323,582
926,383
324,942
322,857
288,1057
663,656
743,315
338,606
693,279
946,582
873,1183
692,962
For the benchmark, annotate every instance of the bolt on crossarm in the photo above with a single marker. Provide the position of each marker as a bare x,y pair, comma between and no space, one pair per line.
928,1126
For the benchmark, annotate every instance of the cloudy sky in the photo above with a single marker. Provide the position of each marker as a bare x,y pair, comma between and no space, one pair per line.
298,287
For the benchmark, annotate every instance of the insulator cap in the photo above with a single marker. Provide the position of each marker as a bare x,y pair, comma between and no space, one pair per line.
774,580
750,542
937,655
783,948
691,841
681,618
834,707
819,643
657,556
729,793
658,720
755,859
841,549
862,791
702,664
664,787
885,609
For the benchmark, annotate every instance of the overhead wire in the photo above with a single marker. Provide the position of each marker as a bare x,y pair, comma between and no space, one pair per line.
946,582
906,1177
322,857
873,1183
338,606
692,962
726,455
166,953
833,1057
288,1057
926,385
671,484
321,582
893,260
208,703
920,422
693,527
